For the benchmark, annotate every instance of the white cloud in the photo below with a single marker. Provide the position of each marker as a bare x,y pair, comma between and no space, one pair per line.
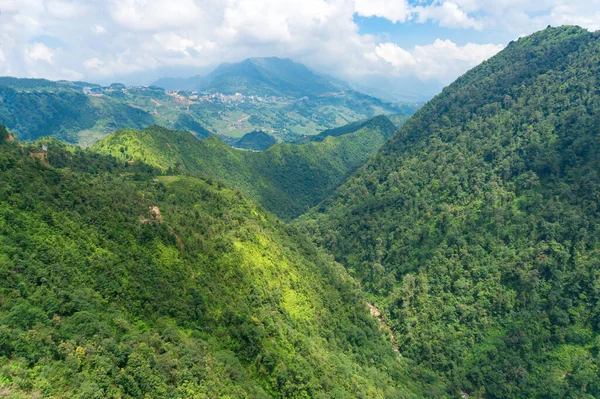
394,10
99,39
398,57
99,29
148,15
93,63
65,10
40,52
448,15
443,60
511,15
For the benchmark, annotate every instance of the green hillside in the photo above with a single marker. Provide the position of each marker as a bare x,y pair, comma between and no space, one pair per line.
286,179
476,227
118,282
381,122
34,108
82,113
257,140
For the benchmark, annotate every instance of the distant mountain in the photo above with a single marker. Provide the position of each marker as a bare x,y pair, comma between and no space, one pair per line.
32,108
476,227
277,96
256,140
259,76
287,179
397,89
382,123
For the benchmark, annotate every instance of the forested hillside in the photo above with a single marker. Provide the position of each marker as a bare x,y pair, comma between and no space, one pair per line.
82,113
118,282
257,141
33,108
476,227
287,179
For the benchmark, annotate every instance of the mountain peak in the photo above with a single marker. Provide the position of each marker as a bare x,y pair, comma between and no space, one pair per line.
263,76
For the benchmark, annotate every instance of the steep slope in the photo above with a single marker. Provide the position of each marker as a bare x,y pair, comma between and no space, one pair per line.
119,283
287,179
475,227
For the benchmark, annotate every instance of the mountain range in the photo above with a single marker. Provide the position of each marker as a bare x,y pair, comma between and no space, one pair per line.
117,281
456,256
281,98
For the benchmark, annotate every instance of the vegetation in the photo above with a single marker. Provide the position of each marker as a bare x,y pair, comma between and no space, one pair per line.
287,179
257,140
4,134
119,282
475,228
382,122
34,108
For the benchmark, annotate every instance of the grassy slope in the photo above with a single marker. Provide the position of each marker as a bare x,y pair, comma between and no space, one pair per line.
287,179
476,225
103,297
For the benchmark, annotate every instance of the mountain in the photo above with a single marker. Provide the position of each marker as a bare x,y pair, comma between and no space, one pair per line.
280,97
258,76
397,89
475,227
36,107
117,281
256,140
379,122
82,113
287,179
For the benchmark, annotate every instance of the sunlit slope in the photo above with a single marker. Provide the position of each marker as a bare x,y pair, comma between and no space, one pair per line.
117,282
286,179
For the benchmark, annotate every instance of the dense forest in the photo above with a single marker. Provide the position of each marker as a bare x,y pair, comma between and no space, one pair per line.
476,227
457,256
287,179
257,141
118,282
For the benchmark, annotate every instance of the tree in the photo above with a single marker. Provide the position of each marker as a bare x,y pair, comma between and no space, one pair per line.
4,134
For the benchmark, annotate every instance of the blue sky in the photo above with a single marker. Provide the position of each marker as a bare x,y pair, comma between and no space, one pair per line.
410,34
382,42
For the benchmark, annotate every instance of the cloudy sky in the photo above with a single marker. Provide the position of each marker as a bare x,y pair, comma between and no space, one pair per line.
137,41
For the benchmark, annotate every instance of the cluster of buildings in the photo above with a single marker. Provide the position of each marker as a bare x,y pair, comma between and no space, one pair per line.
230,98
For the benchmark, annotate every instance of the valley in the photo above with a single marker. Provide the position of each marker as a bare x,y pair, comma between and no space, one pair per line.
82,113
266,231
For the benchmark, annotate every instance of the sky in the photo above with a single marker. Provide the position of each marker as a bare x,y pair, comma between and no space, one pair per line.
138,41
